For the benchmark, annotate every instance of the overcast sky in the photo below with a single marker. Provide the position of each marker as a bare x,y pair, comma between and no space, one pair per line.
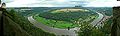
61,3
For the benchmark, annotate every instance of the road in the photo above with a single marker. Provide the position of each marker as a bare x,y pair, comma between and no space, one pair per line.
96,21
105,17
61,31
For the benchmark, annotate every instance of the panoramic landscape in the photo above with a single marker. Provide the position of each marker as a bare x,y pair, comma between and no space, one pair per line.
57,21
66,21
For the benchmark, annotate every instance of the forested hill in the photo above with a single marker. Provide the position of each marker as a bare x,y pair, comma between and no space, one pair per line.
17,25
11,28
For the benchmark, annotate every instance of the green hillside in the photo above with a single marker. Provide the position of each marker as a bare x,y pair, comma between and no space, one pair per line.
17,25
13,29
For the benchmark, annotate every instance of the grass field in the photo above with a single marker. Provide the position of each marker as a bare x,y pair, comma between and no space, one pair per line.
54,23
69,10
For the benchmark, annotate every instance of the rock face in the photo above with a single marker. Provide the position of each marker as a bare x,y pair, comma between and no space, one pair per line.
116,22
0,17
3,5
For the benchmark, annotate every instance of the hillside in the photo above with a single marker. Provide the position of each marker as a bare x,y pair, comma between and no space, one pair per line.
17,25
69,10
70,16
11,28
65,18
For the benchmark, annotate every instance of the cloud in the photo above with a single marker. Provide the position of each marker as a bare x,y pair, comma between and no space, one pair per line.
59,3
7,1
40,3
20,3
103,4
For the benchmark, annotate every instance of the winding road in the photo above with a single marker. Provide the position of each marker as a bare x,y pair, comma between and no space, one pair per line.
60,32
96,21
